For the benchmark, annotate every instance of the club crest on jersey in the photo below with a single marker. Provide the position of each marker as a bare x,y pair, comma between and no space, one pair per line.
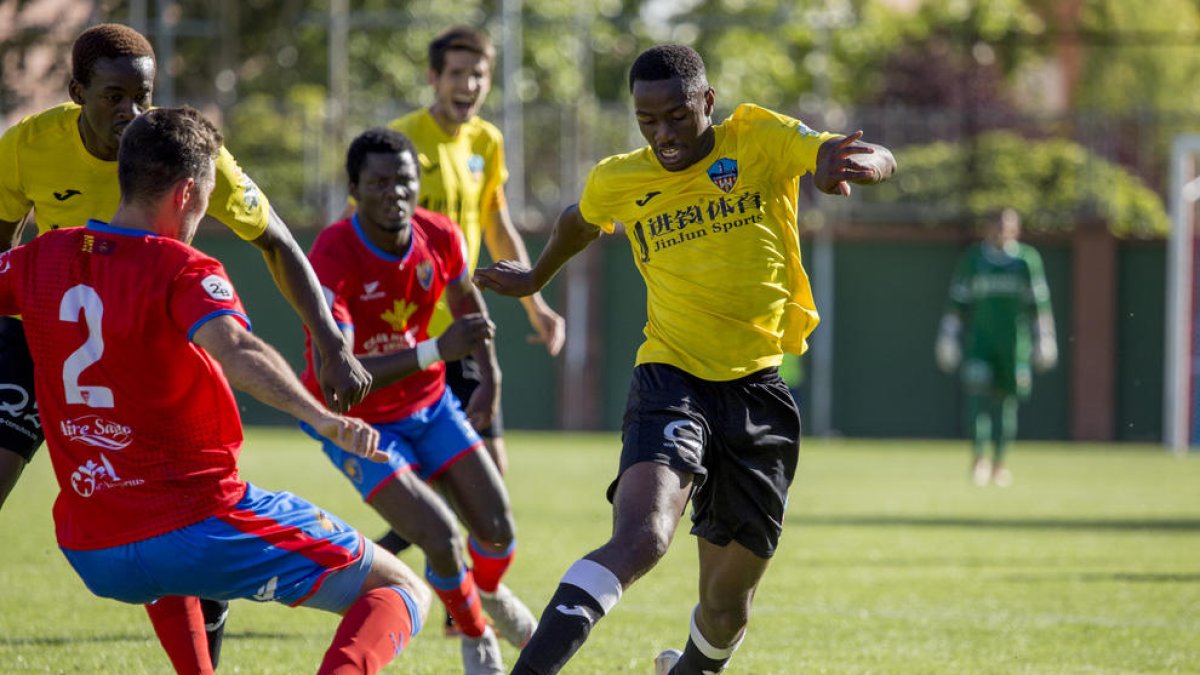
425,274
475,165
724,173
217,287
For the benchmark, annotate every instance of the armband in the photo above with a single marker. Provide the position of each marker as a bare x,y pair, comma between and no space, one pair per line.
428,353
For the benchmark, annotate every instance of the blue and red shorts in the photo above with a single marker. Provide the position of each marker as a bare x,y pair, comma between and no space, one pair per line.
272,546
428,442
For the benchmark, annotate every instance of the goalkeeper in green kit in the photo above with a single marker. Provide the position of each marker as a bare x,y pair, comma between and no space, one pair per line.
997,328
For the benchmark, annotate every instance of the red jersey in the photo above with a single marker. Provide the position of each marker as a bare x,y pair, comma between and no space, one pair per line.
142,426
387,300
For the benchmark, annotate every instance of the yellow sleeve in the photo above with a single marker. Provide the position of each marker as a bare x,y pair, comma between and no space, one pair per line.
13,202
236,201
493,188
785,142
592,205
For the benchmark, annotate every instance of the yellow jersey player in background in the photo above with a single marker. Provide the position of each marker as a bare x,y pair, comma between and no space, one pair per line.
710,211
462,176
59,167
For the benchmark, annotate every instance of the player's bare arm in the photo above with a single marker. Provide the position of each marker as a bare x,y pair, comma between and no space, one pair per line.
10,232
571,235
343,379
254,367
848,159
466,334
505,243
464,300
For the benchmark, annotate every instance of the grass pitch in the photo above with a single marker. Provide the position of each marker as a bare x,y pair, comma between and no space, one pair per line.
891,563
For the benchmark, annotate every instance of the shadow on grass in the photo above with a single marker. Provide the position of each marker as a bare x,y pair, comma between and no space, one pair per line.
62,640
1113,524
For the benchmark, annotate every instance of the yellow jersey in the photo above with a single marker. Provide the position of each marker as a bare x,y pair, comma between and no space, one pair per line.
44,166
717,244
462,176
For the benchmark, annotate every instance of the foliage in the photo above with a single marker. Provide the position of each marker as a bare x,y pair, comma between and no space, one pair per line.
1053,184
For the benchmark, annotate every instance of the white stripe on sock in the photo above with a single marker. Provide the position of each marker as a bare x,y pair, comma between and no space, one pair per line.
597,581
706,648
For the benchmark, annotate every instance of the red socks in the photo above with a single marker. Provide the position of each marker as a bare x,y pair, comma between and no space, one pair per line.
375,629
489,567
461,599
179,624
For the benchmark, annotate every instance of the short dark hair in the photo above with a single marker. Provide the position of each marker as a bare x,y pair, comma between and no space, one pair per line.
378,139
162,147
105,41
464,38
667,62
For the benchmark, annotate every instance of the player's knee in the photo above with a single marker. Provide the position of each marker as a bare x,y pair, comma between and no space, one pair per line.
444,549
496,533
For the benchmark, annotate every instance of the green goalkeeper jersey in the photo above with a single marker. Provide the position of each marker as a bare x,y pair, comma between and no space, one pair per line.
999,293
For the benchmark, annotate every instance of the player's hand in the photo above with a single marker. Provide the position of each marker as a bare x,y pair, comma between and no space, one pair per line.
344,381
352,435
1045,354
838,165
464,336
948,353
507,277
550,328
484,403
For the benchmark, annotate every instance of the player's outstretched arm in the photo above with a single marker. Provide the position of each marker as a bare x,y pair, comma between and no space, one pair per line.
571,235
505,243
254,367
848,159
343,379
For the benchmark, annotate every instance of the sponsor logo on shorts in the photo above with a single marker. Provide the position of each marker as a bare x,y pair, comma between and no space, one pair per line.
575,610
97,431
684,437
13,401
353,470
266,592
326,522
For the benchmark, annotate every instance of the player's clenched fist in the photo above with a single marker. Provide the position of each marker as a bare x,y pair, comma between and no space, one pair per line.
507,277
465,335
352,435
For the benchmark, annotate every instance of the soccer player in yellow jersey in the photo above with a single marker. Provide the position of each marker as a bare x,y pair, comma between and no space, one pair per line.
60,165
463,176
710,211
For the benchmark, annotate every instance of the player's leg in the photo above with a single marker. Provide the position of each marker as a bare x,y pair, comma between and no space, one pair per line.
1004,433
977,380
451,453
663,444
738,512
649,500
421,516
21,431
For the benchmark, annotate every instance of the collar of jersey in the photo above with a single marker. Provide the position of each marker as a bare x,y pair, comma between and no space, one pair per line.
100,226
380,253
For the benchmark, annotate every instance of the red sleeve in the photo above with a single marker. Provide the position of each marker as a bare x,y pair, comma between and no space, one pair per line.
331,275
200,292
10,263
456,255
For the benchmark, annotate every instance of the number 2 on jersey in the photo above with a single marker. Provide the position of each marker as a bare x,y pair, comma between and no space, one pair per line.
76,299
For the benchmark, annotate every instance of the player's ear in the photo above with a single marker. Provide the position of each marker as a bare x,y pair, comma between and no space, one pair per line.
710,100
75,90
431,76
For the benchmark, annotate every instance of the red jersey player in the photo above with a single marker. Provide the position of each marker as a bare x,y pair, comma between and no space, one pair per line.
133,334
382,271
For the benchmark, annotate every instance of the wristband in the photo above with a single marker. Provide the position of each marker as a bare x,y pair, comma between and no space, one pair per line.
428,353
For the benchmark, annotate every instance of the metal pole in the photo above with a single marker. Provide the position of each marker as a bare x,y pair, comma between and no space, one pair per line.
335,105
164,28
513,115
1177,364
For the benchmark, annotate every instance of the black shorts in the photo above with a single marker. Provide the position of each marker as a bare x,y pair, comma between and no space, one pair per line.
20,426
740,439
463,377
